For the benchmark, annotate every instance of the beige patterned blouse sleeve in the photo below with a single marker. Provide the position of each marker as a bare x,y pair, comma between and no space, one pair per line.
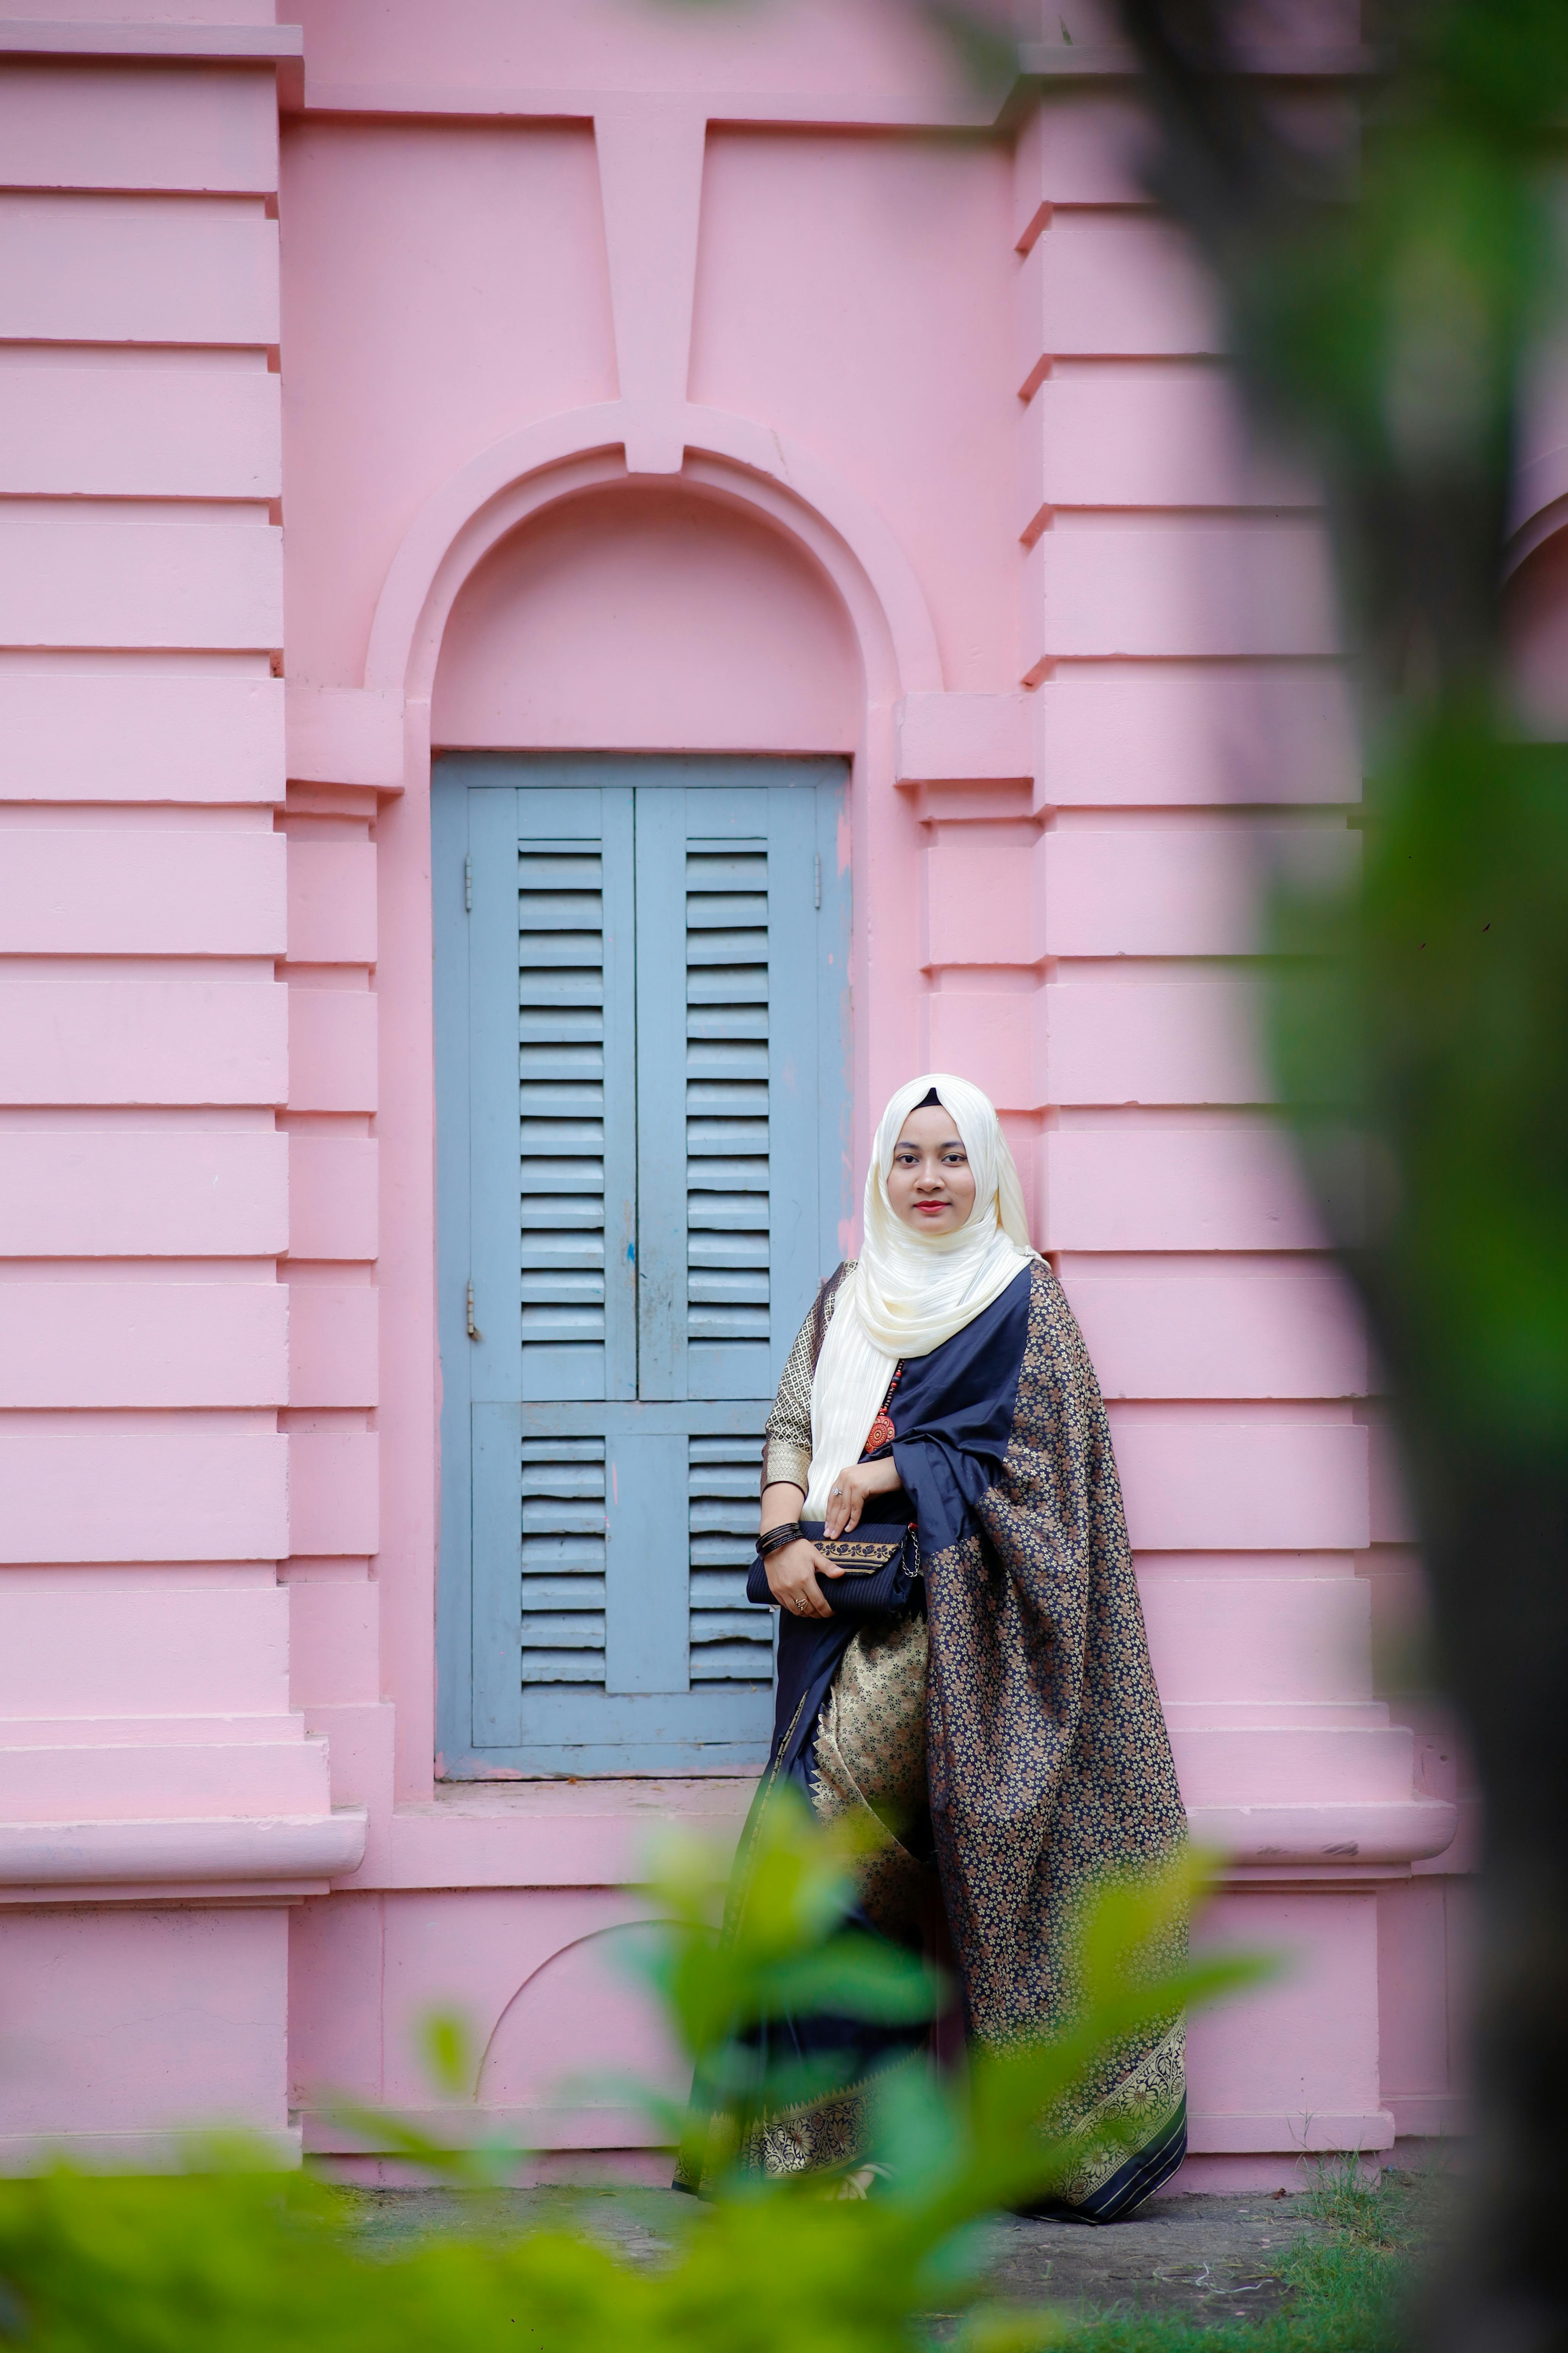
787,1447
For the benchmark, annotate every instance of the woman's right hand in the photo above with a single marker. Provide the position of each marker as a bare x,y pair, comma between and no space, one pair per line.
792,1574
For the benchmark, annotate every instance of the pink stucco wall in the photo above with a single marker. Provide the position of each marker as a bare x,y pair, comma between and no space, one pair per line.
612,377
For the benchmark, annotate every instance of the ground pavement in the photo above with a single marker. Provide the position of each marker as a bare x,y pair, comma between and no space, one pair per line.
1204,2259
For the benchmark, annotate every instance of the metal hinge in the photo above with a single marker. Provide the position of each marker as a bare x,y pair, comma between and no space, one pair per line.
468,886
474,1331
817,881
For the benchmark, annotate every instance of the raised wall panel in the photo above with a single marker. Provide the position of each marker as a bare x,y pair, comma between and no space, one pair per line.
1113,288
205,128
81,891
95,1784
146,1649
1153,1042
1161,1188
943,736
120,734
1163,437
143,1344
332,1197
333,1639
1285,1765
332,1330
227,2053
333,1492
1263,2069
137,269
1199,1485
142,1041
133,431
216,584
1174,738
1224,1331
977,904
331,901
76,1192
1421,2008
1269,1641
1180,589
1173,891
332,1049
160,1494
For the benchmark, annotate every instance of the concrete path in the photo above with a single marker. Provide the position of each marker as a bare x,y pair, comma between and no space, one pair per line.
1208,2259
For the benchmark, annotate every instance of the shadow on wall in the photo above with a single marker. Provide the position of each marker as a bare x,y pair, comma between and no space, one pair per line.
644,619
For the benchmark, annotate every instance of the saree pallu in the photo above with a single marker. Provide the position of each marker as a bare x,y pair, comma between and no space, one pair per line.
1009,1741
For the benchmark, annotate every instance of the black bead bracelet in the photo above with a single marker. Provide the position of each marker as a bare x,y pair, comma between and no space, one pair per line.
777,1538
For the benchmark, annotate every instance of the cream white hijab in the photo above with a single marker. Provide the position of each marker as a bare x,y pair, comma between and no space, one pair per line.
910,1291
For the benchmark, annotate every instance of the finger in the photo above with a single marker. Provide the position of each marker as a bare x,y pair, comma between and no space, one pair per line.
822,1567
810,1596
857,1506
800,1597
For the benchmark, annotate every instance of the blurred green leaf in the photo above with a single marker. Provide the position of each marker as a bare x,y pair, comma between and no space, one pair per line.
446,2047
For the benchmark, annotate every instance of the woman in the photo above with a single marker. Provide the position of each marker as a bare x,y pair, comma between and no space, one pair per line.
1004,1726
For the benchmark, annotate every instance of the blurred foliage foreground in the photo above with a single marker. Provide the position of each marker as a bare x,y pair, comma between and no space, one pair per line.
237,2255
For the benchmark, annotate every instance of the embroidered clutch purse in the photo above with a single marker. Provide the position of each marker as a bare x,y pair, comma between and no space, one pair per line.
881,1568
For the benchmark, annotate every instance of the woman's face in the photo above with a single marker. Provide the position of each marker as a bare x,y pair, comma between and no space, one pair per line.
931,1183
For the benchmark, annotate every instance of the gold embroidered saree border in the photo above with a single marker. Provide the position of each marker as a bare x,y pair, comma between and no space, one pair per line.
1130,2115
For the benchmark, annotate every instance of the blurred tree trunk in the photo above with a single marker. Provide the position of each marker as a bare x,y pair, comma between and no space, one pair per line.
1382,307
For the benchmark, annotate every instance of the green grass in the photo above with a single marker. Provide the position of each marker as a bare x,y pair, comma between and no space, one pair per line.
1348,2279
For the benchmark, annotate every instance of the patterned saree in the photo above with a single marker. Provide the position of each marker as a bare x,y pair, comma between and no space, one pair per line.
1008,1736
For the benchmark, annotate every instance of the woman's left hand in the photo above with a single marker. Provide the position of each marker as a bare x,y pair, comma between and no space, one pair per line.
846,1496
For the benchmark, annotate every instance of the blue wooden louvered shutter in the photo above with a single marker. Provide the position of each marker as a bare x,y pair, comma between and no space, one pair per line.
733,1146
727,1070
642,1164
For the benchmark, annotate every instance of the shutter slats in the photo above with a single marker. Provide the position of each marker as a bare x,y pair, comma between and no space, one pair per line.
729,1284
563,1551
712,1137
731,1176
731,1640
561,1132
583,1591
564,1103
723,1058
716,1249
727,992
561,1667
571,1247
720,1020
728,1167
732,1662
